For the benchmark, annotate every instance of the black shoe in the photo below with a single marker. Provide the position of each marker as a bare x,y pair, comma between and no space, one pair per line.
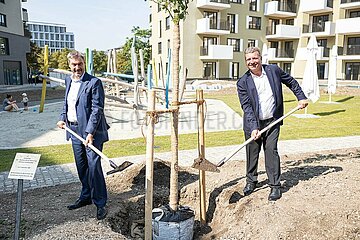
249,188
79,203
275,194
101,213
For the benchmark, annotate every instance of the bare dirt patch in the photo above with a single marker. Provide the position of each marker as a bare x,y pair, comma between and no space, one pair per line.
320,201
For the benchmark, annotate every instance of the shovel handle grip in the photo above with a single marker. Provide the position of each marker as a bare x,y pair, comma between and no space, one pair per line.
228,157
89,145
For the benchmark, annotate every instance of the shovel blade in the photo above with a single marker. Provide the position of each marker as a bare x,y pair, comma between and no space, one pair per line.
204,165
120,168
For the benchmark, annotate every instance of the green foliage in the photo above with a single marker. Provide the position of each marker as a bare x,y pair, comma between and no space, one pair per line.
176,8
59,60
33,58
99,61
142,42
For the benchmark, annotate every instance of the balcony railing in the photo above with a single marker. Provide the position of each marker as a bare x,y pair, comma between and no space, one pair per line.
220,1
284,53
349,50
326,52
287,7
271,30
224,25
204,51
349,1
315,27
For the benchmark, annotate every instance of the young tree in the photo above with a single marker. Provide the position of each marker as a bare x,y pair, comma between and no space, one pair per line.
177,9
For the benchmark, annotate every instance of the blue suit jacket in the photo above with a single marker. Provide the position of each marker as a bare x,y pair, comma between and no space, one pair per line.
248,95
89,108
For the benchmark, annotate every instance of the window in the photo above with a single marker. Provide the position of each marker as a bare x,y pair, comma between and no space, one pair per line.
150,18
231,21
160,33
354,14
254,22
289,22
209,70
159,48
207,41
352,70
41,28
235,43
2,20
235,70
46,28
251,43
237,1
159,7
287,68
253,5
213,19
4,46
167,23
319,23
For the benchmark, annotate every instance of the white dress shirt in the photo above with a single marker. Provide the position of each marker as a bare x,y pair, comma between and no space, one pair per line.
265,95
71,99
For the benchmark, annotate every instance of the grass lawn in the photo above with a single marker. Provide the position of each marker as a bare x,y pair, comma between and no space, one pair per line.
335,120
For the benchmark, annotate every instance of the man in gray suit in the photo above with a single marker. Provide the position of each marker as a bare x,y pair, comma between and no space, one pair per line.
83,112
261,98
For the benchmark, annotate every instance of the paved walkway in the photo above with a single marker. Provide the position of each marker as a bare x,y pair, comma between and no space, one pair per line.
62,174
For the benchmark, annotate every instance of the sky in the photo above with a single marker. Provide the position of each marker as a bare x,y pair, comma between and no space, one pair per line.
96,24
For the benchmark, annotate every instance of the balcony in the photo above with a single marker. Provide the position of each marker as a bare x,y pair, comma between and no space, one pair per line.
214,52
348,26
319,29
316,6
280,10
349,4
283,32
205,27
213,4
351,52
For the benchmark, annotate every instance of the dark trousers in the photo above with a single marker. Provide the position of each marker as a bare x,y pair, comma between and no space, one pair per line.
91,176
269,141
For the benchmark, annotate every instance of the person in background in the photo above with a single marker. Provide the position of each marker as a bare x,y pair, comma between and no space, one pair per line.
83,112
261,98
9,104
25,101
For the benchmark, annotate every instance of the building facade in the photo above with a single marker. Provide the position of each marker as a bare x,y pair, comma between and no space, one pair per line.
216,32
51,34
13,44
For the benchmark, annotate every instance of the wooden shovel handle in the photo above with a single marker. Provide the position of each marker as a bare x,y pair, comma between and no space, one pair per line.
227,158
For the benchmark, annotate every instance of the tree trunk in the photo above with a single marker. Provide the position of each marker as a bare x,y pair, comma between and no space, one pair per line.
175,120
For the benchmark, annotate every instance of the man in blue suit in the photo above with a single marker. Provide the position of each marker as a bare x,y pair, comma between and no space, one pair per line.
83,112
261,98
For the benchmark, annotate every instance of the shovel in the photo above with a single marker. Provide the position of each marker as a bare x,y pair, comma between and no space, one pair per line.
205,165
115,167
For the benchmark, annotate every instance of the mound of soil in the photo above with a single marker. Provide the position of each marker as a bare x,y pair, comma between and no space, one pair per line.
320,201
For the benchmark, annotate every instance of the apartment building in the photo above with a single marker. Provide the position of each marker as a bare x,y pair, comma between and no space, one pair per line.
213,37
52,34
216,32
13,44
